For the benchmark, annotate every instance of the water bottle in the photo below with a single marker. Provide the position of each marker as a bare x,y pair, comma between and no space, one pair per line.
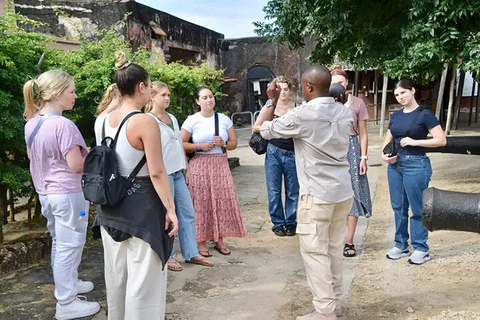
82,223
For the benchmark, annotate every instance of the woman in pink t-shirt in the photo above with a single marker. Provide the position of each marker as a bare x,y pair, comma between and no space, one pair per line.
357,158
57,150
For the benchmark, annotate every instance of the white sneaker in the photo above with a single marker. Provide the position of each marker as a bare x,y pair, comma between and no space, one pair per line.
78,308
84,286
395,253
419,257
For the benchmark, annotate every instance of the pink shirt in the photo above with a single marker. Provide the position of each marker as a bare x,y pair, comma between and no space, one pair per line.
359,112
50,172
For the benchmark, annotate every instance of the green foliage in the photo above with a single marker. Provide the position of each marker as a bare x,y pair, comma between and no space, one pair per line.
93,67
20,52
404,37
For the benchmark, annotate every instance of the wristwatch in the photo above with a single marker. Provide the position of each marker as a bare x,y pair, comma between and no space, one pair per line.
269,103
364,157
225,143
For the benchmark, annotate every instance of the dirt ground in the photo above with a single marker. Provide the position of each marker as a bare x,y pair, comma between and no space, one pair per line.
447,287
264,276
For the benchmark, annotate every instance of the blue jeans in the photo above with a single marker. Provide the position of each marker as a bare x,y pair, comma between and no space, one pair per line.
278,163
407,178
185,215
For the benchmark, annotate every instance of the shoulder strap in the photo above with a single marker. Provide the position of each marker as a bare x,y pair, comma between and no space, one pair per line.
142,161
216,124
114,142
420,109
39,124
137,168
103,128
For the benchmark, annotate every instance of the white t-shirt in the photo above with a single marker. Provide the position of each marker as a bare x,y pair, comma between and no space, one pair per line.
203,129
172,145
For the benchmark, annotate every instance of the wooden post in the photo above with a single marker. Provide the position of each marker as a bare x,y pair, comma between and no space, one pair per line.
441,91
355,89
451,94
375,96
384,105
471,99
461,81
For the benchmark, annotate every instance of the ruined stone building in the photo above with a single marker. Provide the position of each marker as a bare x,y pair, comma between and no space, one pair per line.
171,38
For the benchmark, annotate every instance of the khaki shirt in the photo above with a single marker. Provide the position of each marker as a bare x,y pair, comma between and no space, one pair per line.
320,130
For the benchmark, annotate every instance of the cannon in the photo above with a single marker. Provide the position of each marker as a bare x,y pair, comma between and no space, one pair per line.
459,145
449,210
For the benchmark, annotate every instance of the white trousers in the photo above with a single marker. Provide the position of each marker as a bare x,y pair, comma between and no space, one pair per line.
322,227
62,212
136,285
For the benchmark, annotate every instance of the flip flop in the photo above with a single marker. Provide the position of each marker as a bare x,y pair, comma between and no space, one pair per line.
173,265
205,253
224,250
202,262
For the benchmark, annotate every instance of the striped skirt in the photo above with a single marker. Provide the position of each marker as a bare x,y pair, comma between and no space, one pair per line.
362,203
217,210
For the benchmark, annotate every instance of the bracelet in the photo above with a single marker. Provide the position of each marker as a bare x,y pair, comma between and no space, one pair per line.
198,146
364,157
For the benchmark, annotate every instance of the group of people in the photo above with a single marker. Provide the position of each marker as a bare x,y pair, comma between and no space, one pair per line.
330,146
319,148
280,162
197,198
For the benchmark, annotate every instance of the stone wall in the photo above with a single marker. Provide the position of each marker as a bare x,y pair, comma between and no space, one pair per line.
145,27
241,55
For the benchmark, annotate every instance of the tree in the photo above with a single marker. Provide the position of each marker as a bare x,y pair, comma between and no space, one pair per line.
19,54
403,37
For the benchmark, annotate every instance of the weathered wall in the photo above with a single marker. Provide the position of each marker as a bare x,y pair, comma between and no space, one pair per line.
86,17
241,54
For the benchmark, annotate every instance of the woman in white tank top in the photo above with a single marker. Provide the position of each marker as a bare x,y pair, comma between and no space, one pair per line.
137,233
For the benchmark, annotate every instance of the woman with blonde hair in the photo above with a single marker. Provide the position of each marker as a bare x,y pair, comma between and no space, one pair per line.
137,233
217,211
280,165
56,151
111,100
175,163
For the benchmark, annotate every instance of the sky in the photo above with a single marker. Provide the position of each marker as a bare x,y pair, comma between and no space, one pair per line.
232,18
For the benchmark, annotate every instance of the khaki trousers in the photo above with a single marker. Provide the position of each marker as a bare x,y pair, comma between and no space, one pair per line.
135,282
322,227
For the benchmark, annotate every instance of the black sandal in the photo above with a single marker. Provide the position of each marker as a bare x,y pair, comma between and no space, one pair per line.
347,248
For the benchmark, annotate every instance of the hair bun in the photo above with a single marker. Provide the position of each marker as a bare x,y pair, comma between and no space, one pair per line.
120,60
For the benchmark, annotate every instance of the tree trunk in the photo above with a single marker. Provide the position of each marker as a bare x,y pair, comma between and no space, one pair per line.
471,99
384,105
357,80
450,100
375,97
478,102
3,209
11,203
458,102
441,90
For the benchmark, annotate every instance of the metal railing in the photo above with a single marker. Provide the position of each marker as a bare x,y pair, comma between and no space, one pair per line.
249,113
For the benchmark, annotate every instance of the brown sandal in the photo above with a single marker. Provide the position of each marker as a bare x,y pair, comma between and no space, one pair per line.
223,250
174,265
200,261
205,253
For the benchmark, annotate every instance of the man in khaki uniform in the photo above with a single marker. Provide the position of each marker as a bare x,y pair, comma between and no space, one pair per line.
320,129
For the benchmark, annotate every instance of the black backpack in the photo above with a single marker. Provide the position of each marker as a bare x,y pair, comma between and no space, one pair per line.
101,182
